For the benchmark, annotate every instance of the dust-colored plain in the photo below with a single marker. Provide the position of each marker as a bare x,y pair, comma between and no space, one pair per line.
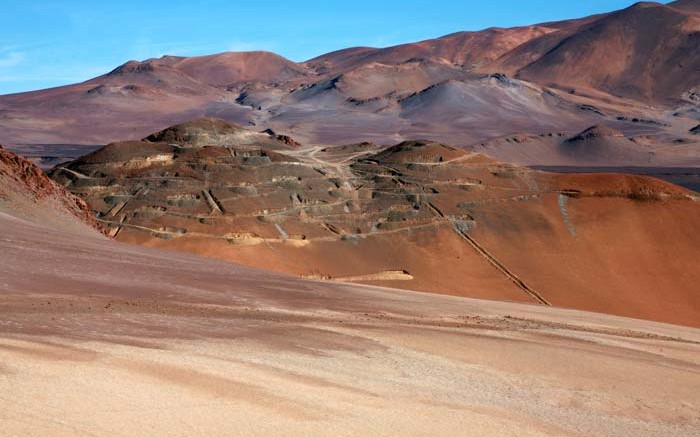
102,338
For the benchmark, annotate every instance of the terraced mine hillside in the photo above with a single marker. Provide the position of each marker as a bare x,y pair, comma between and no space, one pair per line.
418,215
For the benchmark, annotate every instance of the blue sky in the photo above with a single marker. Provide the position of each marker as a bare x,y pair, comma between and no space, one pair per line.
51,43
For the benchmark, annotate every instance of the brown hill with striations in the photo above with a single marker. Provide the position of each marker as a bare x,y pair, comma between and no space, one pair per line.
230,68
215,132
686,5
419,215
223,69
467,49
597,145
649,52
418,151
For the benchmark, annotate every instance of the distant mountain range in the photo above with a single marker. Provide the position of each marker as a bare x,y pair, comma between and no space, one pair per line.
636,71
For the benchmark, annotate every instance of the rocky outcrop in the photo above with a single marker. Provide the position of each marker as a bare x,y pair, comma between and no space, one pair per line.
20,177
597,131
285,139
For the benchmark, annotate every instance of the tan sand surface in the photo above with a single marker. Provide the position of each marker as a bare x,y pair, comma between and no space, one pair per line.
98,338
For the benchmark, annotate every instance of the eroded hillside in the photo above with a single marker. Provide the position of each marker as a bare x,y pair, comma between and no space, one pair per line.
419,215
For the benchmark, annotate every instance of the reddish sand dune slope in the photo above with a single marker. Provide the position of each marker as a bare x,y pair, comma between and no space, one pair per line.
100,338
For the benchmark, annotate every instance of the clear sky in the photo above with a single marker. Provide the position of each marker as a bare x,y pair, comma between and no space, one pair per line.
48,43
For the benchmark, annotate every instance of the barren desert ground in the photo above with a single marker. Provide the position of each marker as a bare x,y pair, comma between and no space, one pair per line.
104,339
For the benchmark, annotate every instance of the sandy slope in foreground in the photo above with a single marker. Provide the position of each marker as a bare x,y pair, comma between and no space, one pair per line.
100,338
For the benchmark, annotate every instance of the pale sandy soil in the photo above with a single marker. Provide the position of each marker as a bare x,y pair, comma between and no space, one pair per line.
99,338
